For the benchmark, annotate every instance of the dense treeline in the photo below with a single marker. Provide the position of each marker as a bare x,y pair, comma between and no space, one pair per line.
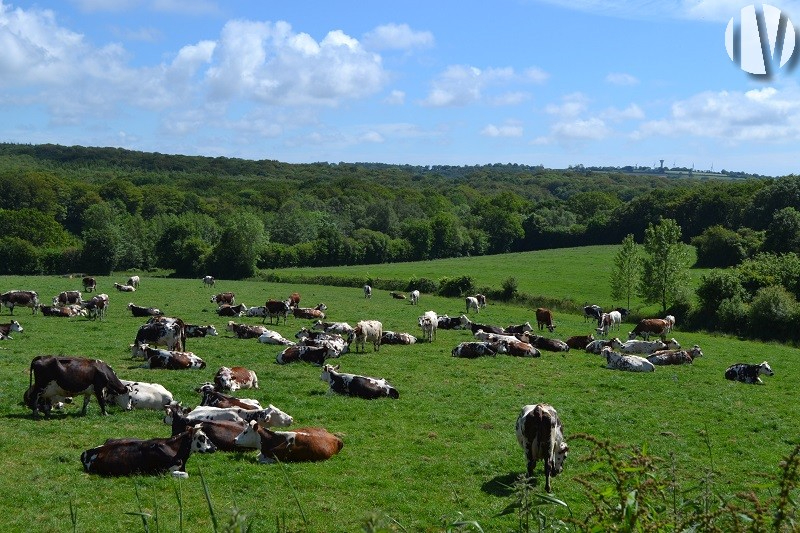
102,209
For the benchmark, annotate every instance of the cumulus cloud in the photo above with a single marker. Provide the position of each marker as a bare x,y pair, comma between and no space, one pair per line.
461,85
397,37
571,105
509,129
621,78
632,112
764,115
591,129
395,98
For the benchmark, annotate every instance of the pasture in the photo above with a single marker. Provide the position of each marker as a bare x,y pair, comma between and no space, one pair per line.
445,450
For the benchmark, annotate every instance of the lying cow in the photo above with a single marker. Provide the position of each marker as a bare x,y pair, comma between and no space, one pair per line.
193,330
166,359
579,342
342,328
302,444
222,433
446,322
235,378
629,363
309,354
544,343
747,373
475,349
675,357
466,323
269,417
519,328
520,349
541,435
6,329
46,405
269,336
313,313
67,311
139,311
596,346
142,396
214,398
359,386
397,337
124,288
55,376
643,347
245,331
126,457
232,310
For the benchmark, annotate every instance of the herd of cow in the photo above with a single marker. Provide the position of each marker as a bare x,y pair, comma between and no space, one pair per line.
224,422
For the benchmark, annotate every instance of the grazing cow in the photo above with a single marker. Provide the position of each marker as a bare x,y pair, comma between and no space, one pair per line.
52,376
13,299
235,378
97,306
315,313
545,343
544,317
643,347
472,303
466,323
209,281
359,386
603,324
671,321
6,329
245,331
481,300
222,433
342,328
396,337
309,354
133,281
124,288
166,359
366,331
89,284
597,346
126,457
276,309
593,312
140,311
67,298
541,435
163,331
269,336
429,322
398,295
629,363
214,398
302,444
367,292
650,326
232,310
224,298
414,297
268,417
473,349
64,312
579,342
519,328
141,396
675,357
193,330
294,299
445,322
747,373
615,318
520,349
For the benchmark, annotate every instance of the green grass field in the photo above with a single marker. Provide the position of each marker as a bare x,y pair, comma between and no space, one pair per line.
445,450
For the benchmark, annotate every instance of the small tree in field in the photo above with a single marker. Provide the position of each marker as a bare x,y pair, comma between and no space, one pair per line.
665,268
626,271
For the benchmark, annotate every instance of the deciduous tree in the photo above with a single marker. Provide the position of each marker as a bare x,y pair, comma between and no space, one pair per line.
665,266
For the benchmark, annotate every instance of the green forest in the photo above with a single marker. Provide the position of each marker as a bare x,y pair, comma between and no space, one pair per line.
98,210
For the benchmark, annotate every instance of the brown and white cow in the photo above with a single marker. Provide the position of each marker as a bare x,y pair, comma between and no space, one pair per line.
163,331
97,306
355,385
367,331
302,444
235,378
6,329
53,376
579,342
213,398
544,317
67,298
16,298
675,357
520,349
313,313
650,326
64,312
166,359
89,284
544,343
245,331
541,435
126,457
224,298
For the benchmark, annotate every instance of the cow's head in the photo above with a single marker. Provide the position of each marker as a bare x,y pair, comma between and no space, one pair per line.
139,349
672,344
172,410
765,369
695,351
559,456
16,326
249,437
327,370
231,325
200,441
274,417
206,388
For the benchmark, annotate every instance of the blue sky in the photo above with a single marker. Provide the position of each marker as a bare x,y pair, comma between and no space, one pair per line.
553,82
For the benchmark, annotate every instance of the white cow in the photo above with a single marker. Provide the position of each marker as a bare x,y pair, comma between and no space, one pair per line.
414,297
472,303
209,281
273,337
671,321
133,281
367,291
494,337
643,347
429,323
269,417
630,363
367,331
142,396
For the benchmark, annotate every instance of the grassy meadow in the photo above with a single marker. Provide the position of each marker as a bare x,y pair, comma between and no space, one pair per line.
444,451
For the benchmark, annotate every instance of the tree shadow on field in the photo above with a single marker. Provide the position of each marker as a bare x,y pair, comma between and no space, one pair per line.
503,485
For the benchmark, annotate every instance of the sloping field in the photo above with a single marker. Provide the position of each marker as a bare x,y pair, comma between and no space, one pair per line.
444,450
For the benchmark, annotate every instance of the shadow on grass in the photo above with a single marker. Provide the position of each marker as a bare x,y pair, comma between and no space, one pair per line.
503,485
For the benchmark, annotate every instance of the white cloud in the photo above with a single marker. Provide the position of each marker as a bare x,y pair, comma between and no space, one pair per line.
397,37
512,98
372,137
461,85
621,78
632,112
509,129
571,105
592,129
395,98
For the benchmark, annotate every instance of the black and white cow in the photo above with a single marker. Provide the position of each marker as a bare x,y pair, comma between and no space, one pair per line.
97,306
268,417
166,359
748,373
208,281
397,337
140,311
309,354
541,435
475,349
124,288
163,331
626,362
355,385
15,298
222,433
142,395
446,322
89,284
6,329
367,292
214,398
245,331
593,312
193,330
67,298
126,457
232,310
55,376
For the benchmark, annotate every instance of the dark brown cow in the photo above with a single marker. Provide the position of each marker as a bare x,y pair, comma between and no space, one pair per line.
245,331
68,298
224,298
125,457
650,326
214,398
276,309
302,444
89,284
579,342
139,311
544,317
544,343
541,435
52,376
13,299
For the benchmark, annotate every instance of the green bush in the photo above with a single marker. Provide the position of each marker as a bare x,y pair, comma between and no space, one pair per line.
776,307
454,287
423,285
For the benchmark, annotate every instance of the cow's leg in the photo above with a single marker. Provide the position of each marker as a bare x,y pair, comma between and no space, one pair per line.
35,394
99,393
86,398
548,469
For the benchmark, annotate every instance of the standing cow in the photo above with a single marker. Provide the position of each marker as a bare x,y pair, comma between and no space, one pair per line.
13,299
89,284
541,435
367,331
544,317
